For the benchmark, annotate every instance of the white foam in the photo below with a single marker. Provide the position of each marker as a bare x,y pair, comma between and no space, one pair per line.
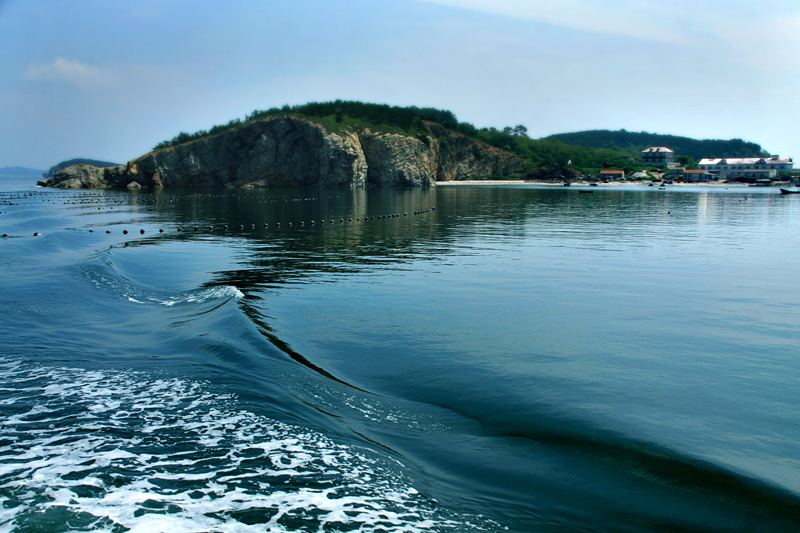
168,455
106,278
199,296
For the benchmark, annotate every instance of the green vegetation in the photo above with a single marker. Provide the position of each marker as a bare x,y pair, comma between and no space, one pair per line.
555,157
64,164
690,150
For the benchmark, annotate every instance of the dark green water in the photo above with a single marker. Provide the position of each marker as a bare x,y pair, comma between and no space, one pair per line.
457,359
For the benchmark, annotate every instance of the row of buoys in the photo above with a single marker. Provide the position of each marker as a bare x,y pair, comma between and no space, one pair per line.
278,224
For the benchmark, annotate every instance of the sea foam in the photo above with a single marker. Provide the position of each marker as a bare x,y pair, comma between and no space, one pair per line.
104,450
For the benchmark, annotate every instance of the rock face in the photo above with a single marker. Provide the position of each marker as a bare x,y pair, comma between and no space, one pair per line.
288,151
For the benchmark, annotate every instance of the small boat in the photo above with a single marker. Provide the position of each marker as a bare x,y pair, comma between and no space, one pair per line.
790,191
584,191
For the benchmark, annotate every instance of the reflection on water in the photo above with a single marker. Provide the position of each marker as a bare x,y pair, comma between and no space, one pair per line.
545,358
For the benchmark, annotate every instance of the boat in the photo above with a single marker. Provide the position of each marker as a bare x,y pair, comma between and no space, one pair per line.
790,191
585,191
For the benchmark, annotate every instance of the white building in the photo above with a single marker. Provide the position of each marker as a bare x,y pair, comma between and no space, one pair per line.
748,167
693,176
657,155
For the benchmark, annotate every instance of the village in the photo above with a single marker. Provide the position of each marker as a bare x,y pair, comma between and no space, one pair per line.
758,171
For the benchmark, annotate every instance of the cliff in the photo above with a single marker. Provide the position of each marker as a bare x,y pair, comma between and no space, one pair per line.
289,151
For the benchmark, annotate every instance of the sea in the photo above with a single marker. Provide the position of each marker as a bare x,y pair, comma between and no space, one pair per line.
488,358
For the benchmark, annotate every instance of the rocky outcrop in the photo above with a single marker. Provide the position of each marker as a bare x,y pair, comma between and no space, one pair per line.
79,177
462,158
288,151
397,160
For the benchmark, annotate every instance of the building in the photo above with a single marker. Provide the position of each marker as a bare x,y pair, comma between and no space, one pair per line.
657,155
693,176
748,168
612,175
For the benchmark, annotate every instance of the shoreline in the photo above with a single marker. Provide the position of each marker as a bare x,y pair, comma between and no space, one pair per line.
560,185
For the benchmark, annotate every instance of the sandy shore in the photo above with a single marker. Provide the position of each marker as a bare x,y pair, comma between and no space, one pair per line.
587,183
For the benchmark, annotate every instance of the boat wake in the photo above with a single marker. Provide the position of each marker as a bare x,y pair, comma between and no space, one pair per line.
100,450
105,277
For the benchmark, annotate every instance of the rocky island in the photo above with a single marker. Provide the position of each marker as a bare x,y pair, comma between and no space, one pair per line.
287,150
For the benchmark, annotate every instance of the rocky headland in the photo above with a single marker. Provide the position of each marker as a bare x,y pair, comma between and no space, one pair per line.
294,151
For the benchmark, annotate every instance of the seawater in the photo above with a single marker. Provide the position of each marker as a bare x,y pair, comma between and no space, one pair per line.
466,358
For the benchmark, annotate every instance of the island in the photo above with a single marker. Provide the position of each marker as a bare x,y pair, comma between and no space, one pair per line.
355,144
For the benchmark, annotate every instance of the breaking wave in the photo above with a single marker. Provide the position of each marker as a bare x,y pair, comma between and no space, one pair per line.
106,278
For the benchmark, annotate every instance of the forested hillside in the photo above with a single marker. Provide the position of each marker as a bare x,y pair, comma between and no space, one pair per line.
353,116
634,142
547,158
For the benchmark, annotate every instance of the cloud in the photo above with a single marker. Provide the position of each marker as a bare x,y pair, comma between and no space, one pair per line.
741,27
641,20
70,72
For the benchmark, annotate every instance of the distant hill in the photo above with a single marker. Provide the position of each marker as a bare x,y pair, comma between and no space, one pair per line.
64,164
20,172
634,142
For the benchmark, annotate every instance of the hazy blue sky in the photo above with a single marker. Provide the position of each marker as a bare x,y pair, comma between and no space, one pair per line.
109,79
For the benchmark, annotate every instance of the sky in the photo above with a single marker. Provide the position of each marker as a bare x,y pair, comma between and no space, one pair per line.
109,79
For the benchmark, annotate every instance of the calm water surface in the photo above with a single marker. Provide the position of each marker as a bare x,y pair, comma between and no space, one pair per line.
482,358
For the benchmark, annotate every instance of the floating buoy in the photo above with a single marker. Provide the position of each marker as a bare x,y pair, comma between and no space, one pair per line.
141,231
161,230
124,232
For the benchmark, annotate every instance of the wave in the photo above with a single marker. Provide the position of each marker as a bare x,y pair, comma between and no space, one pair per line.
196,296
105,277
699,484
102,450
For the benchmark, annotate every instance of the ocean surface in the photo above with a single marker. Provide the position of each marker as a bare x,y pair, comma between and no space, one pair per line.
459,359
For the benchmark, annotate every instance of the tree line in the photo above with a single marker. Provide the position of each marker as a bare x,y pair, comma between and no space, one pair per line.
634,142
